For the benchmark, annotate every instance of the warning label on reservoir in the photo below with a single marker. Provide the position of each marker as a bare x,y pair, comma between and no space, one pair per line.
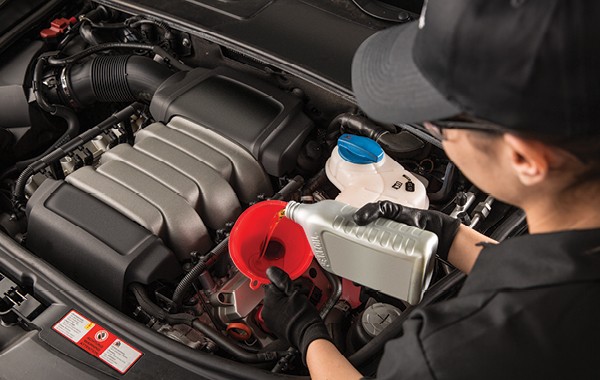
97,341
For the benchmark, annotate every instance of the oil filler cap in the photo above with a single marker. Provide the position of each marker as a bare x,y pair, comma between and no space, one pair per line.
359,149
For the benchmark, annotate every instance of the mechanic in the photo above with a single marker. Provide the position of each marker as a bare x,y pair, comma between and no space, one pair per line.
513,89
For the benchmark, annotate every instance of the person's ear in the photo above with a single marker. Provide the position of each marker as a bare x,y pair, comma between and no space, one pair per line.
528,158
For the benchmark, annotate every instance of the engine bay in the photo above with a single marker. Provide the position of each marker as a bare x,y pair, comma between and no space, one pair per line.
130,148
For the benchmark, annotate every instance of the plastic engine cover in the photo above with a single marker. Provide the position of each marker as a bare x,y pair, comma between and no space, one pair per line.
266,121
93,244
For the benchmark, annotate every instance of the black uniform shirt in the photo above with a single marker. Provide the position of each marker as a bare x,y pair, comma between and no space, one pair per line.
530,309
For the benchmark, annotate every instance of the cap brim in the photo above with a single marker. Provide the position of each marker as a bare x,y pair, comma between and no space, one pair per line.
389,86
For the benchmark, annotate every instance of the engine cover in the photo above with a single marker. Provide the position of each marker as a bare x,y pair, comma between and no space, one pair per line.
268,122
93,244
177,181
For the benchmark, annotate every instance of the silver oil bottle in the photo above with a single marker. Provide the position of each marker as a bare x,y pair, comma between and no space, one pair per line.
384,255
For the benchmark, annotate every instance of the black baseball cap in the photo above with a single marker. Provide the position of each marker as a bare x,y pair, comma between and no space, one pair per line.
530,66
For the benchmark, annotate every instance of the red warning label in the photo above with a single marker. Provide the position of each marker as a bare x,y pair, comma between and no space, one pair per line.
97,341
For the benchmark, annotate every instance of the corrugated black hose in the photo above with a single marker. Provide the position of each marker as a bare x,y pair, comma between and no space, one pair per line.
113,78
168,58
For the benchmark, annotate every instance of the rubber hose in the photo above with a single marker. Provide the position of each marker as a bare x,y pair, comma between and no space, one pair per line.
37,77
18,197
121,78
353,124
167,34
139,292
63,112
336,293
72,125
232,348
169,59
291,187
72,131
187,281
315,183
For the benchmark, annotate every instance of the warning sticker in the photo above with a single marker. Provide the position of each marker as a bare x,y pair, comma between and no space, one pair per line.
97,341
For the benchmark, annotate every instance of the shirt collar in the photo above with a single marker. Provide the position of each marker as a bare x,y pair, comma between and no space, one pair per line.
537,260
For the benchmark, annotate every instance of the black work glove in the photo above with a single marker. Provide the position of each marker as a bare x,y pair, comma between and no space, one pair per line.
288,313
444,226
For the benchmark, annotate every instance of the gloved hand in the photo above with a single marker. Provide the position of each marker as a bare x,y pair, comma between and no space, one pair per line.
288,313
444,226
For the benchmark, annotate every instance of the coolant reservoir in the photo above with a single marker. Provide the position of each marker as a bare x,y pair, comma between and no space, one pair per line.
363,173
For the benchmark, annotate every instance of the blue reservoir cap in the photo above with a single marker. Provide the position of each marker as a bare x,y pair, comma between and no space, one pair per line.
359,149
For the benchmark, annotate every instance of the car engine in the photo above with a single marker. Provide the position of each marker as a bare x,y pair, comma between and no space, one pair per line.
131,147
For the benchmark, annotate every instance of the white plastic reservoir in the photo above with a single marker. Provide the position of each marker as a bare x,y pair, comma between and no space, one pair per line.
363,173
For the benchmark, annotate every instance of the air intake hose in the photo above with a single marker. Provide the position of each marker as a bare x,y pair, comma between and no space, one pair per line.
121,78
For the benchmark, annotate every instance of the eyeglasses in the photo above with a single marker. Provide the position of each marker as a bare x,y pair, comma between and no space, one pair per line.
436,128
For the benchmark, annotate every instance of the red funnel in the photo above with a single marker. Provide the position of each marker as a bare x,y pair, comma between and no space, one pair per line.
288,248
